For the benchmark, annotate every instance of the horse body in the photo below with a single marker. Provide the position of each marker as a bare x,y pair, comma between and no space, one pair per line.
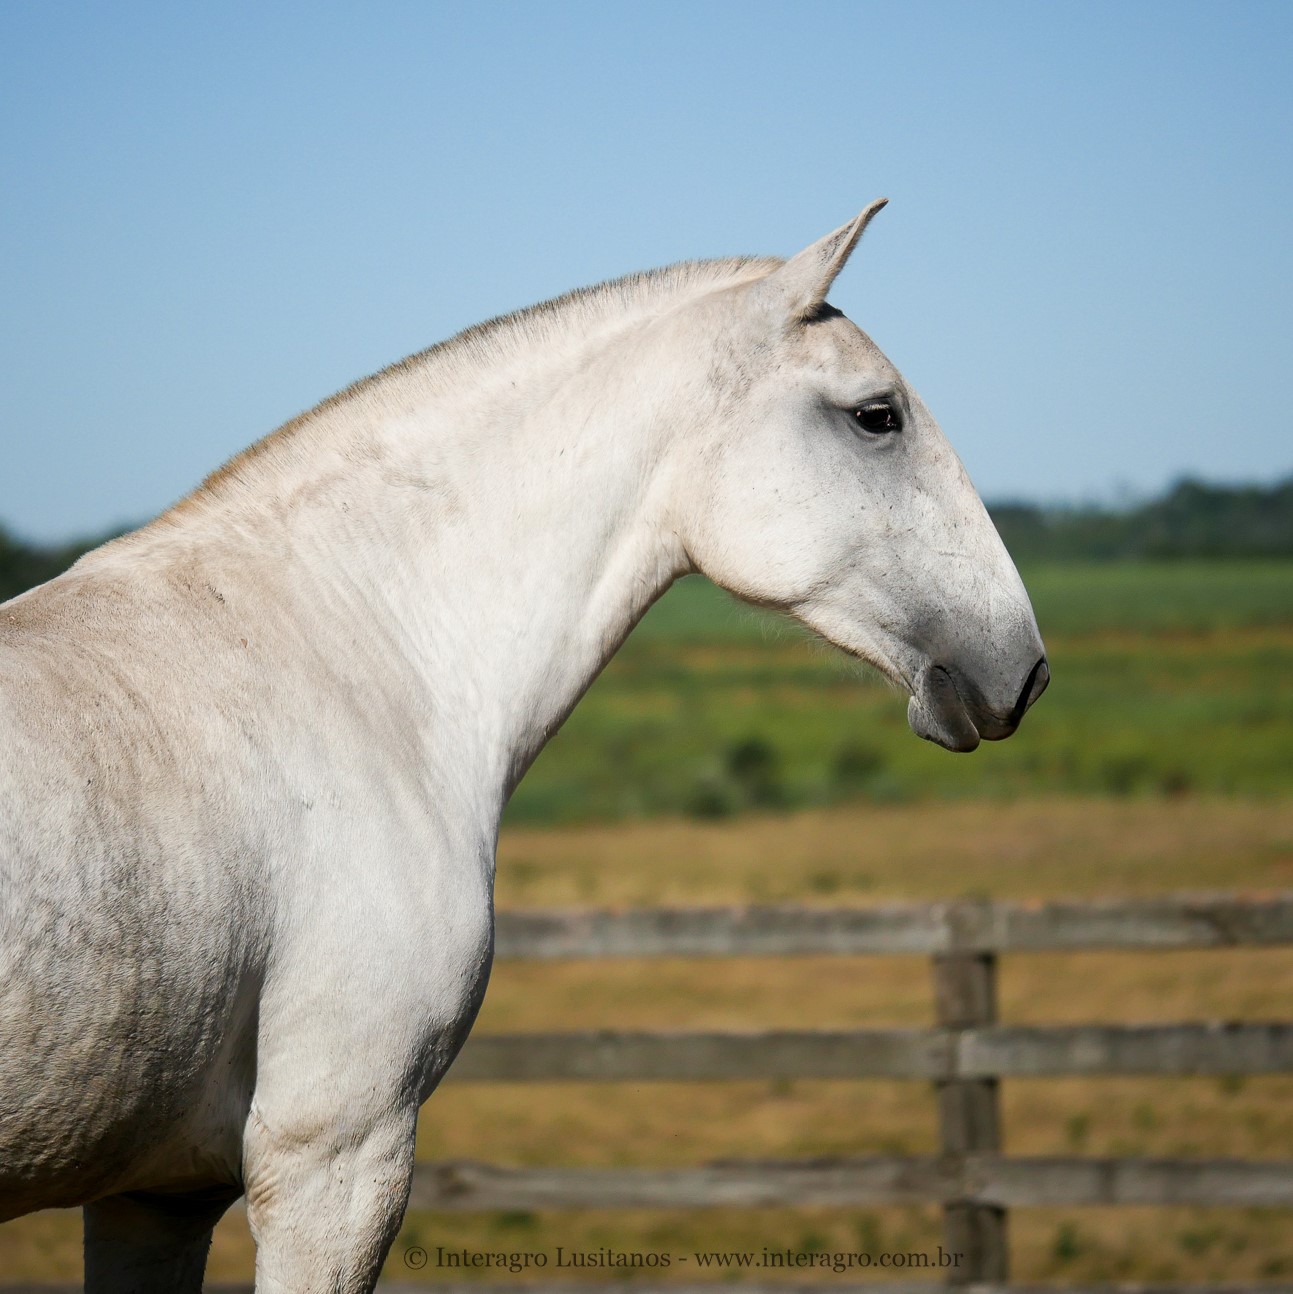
260,748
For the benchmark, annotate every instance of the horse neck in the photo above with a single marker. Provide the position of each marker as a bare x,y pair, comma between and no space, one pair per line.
560,549
496,543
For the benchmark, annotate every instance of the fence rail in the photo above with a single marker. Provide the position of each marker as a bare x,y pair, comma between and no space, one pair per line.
937,1054
713,1287
966,926
987,1180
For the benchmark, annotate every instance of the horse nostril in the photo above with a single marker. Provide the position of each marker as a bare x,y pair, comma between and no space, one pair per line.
1034,686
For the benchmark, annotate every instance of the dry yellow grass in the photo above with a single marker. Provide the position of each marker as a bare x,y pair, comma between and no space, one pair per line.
858,856
1028,849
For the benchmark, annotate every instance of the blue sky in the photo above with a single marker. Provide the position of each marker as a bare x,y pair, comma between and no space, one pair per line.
213,216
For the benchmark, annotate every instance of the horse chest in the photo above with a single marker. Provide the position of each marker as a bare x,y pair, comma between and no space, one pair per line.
384,947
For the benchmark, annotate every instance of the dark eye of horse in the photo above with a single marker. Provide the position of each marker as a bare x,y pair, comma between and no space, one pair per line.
878,417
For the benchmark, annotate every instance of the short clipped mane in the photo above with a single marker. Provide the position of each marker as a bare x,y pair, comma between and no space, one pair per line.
628,299
632,296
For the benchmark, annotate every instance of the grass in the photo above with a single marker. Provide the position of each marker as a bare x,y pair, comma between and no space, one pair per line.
1069,598
724,758
1169,679
1159,597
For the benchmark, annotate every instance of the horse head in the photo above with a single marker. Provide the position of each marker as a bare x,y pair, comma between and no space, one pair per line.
823,486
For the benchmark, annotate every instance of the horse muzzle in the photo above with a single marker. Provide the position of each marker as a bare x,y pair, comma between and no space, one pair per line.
952,713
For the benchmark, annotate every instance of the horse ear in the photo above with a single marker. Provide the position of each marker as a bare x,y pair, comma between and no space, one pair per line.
799,286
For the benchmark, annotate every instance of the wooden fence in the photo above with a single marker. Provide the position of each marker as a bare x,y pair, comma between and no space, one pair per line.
966,1056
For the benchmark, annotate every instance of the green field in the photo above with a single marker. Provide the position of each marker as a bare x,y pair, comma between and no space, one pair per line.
1168,679
1069,598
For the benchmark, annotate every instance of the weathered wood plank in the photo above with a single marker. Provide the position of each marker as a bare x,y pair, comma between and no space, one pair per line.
754,931
608,1055
639,1286
969,1117
938,1054
987,1180
1172,921
665,1286
1070,1180
965,997
208,1287
466,1186
1175,1049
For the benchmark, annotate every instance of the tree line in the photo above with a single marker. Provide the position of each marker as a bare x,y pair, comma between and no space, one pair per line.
1193,519
24,565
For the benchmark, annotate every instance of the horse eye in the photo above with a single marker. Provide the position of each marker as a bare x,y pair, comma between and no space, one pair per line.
880,417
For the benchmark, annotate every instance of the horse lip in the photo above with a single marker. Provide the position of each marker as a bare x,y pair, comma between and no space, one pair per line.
938,713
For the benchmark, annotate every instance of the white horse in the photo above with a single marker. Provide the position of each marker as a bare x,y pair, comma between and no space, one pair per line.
254,754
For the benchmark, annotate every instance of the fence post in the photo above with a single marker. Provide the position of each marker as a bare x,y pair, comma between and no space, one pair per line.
969,1116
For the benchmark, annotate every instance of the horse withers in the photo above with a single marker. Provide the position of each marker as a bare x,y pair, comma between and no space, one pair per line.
255,753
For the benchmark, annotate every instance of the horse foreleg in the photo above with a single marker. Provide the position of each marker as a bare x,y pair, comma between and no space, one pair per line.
324,1212
149,1244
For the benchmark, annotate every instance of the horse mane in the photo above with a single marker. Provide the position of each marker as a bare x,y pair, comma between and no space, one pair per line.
622,300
